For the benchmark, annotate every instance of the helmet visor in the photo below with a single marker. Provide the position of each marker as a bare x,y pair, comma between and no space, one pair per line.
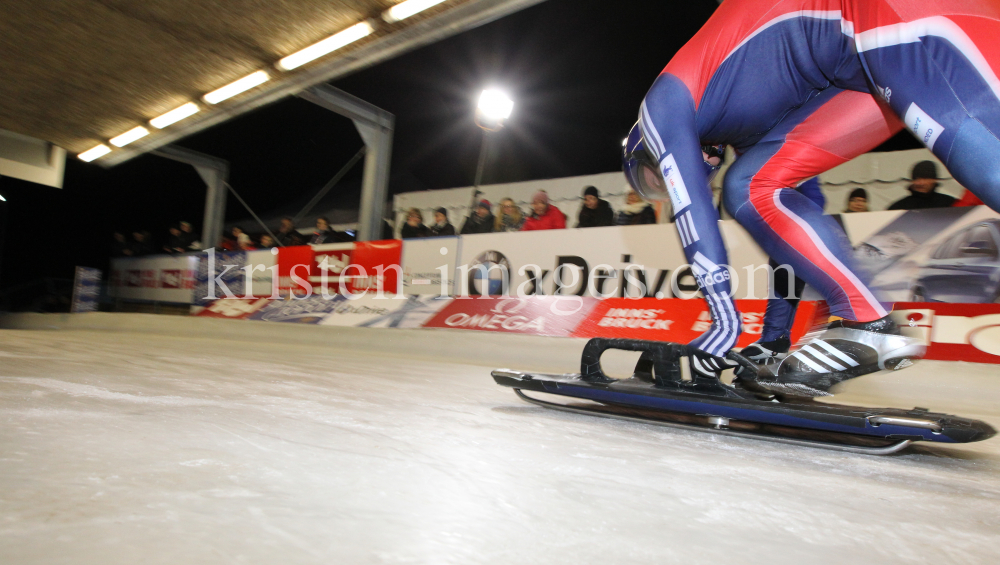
651,185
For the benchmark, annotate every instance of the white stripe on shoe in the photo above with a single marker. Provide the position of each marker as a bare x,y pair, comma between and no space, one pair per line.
834,351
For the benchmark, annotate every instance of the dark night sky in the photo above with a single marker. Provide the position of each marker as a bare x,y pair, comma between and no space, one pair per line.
577,70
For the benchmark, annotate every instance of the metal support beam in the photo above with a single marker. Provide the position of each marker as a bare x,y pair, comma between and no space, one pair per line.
376,127
215,173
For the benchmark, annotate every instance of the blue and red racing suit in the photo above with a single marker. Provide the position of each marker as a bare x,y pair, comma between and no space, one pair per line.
798,87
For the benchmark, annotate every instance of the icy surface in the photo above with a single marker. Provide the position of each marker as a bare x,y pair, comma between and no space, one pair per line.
151,449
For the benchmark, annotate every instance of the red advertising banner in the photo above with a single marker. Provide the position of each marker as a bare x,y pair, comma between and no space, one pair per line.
364,266
297,261
677,320
378,266
536,315
957,332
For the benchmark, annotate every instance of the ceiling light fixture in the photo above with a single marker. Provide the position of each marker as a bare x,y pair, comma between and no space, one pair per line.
232,89
131,135
328,45
91,154
408,8
175,115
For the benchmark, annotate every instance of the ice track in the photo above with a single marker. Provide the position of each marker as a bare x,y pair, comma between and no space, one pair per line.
129,446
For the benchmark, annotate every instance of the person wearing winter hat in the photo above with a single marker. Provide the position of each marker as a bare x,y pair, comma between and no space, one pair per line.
595,212
544,216
857,201
441,225
636,211
923,190
480,220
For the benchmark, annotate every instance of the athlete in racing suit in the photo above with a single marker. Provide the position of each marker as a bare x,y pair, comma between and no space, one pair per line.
798,87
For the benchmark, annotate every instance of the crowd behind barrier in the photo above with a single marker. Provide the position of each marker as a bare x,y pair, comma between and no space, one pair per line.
617,280
509,217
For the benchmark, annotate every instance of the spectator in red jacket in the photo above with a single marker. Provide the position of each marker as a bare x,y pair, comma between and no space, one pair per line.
544,216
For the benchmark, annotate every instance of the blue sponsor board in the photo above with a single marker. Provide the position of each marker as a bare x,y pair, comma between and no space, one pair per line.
86,289
226,268
310,310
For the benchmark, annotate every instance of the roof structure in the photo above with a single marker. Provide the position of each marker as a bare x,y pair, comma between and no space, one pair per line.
78,73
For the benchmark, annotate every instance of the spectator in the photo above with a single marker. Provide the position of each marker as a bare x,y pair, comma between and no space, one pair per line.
267,242
285,231
857,201
544,215
189,239
323,233
120,247
414,226
296,238
243,241
636,211
228,242
441,224
510,217
923,190
141,244
175,244
480,220
968,199
595,212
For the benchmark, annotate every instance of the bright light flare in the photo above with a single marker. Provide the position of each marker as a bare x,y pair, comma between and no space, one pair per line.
495,105
131,135
175,115
94,153
408,8
232,89
328,45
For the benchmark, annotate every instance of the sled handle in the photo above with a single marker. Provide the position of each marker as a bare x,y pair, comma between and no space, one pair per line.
660,360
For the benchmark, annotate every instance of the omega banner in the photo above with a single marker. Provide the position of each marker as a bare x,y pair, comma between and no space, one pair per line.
631,261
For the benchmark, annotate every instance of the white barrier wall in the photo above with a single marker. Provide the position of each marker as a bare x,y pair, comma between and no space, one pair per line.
602,262
429,265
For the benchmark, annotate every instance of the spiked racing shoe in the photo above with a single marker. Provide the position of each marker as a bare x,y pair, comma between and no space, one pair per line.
844,351
763,353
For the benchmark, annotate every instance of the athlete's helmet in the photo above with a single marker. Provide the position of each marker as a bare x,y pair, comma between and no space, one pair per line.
641,167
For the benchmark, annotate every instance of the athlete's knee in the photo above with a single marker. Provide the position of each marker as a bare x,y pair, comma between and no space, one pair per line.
736,189
974,161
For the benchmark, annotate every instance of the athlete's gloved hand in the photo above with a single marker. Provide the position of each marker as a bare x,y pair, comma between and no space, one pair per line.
704,364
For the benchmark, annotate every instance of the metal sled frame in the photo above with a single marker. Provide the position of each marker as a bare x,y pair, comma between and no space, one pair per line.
867,450
658,394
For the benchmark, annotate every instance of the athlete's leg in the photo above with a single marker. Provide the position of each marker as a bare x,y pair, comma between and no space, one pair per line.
780,313
832,129
939,74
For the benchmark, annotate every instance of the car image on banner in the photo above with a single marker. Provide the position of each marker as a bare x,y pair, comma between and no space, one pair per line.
965,268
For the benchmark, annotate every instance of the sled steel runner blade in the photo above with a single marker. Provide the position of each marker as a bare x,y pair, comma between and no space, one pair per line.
656,393
868,450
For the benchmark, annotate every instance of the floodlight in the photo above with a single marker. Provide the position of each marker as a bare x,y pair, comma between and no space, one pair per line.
495,105
175,115
93,153
328,45
131,135
234,88
408,8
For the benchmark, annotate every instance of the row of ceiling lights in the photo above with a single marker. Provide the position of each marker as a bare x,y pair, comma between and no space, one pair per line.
397,13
